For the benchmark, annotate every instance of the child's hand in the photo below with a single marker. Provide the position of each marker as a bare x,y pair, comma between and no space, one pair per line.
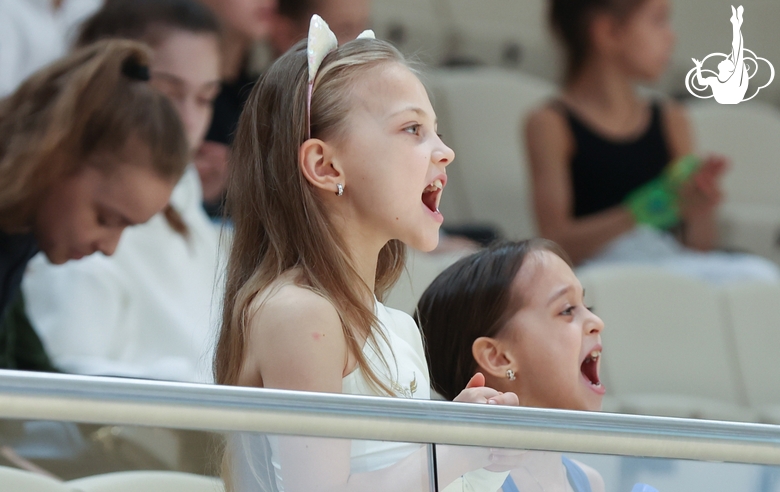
708,176
701,195
477,392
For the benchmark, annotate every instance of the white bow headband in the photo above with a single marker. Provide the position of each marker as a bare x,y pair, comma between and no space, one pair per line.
321,41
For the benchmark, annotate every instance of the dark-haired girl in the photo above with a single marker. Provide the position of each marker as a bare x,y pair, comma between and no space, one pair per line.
515,312
601,155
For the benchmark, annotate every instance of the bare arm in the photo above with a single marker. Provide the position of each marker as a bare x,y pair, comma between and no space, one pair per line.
550,147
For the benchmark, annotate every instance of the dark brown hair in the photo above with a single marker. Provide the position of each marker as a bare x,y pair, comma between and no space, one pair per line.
93,100
471,299
147,20
571,21
280,221
297,10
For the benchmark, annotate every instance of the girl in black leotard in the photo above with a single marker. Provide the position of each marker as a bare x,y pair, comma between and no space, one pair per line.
600,153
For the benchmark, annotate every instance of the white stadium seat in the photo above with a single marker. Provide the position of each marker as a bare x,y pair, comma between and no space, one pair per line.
666,349
416,27
147,481
505,33
421,269
749,135
750,309
481,114
15,480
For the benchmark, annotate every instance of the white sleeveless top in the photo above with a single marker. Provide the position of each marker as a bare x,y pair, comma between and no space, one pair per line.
398,359
405,372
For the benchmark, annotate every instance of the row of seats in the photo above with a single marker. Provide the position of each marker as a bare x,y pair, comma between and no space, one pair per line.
15,480
677,346
482,112
515,34
495,32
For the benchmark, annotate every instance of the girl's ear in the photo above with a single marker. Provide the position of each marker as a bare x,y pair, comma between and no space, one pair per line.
315,159
602,31
491,357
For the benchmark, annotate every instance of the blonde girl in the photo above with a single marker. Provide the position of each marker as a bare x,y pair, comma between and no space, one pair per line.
324,196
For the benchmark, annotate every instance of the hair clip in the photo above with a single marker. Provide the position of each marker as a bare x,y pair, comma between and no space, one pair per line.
132,69
320,42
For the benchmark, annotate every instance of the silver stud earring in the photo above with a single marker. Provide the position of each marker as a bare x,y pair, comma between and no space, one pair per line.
510,374
340,188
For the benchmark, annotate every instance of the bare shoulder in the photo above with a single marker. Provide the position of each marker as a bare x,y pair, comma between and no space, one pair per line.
594,477
293,308
546,119
677,128
295,340
548,138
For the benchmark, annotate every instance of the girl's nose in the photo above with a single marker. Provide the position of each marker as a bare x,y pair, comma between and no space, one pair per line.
443,155
107,245
593,325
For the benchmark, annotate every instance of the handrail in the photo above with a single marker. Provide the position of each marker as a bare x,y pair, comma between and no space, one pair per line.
37,396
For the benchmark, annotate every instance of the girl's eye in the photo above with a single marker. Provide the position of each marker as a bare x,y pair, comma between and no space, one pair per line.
413,129
568,311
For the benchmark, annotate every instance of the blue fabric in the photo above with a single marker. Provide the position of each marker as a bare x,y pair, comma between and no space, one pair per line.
509,485
577,478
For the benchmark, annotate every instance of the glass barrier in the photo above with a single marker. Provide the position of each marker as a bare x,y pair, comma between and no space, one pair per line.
80,433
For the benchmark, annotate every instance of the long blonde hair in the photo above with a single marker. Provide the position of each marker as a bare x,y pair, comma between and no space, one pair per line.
79,105
280,222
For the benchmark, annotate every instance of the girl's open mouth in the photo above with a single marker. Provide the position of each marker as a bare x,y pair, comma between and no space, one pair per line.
431,195
590,368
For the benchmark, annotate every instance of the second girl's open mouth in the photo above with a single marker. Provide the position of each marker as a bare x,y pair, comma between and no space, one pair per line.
590,370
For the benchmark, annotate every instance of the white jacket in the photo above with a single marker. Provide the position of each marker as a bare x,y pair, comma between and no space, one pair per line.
33,34
148,311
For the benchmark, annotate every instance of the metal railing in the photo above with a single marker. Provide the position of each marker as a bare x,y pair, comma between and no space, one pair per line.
37,396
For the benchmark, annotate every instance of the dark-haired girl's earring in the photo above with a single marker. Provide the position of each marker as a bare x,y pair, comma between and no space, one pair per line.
340,188
510,374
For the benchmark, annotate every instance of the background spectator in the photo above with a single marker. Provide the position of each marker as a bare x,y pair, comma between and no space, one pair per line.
244,23
34,33
146,311
87,148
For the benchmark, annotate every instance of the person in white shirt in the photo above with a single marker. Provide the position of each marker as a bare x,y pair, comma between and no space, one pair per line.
149,310
34,33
